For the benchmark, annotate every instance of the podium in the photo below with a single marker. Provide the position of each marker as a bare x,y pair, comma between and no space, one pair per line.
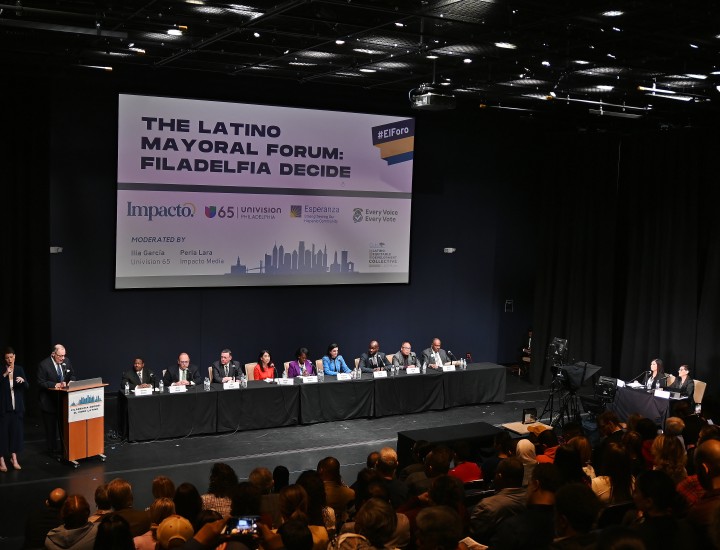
82,406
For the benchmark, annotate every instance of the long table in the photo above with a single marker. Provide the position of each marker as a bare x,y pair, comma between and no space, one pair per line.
630,401
265,405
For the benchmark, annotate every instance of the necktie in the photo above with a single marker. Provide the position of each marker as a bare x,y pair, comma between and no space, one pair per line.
226,371
59,373
182,375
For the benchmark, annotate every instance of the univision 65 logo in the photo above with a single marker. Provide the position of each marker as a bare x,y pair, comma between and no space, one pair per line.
222,212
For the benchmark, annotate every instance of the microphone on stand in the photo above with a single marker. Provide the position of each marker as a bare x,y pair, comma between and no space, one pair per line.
643,373
451,356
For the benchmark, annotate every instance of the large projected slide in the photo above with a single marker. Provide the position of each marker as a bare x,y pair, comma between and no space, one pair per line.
228,194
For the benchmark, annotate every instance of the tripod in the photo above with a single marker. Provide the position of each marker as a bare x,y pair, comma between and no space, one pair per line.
557,391
569,408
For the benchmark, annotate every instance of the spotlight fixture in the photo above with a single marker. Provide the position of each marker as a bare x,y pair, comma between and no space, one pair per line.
427,97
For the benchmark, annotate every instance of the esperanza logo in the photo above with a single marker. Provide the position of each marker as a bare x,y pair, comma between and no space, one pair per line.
185,210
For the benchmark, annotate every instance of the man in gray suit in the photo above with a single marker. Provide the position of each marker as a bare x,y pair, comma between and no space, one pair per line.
434,356
405,357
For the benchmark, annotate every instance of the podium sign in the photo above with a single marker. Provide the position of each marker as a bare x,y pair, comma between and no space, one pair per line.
86,404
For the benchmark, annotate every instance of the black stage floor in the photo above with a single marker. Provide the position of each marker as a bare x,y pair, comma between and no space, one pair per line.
190,459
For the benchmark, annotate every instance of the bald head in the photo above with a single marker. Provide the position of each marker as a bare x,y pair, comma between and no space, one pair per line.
56,498
707,464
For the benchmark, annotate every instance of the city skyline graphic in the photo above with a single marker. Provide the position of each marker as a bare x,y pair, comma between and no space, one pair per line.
301,260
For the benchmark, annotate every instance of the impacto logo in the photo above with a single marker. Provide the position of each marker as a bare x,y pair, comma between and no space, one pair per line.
185,210
357,215
296,211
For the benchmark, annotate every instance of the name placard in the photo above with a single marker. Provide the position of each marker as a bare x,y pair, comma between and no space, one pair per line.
143,391
448,368
662,393
285,381
344,376
380,373
308,379
412,370
177,389
231,385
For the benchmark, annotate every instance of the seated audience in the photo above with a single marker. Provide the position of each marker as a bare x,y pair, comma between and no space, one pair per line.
659,505
503,447
163,486
223,480
295,535
608,425
633,444
420,449
375,524
120,495
302,366
510,499
438,528
281,478
707,466
76,532
102,503
160,509
615,482
333,362
532,527
669,456
576,509
338,495
174,531
582,445
525,452
549,444
569,464
43,519
675,426
188,503
386,466
465,469
437,463
294,505
648,432
113,533
445,491
265,368
318,512
269,500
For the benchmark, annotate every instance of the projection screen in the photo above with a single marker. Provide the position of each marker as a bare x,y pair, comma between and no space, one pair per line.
228,194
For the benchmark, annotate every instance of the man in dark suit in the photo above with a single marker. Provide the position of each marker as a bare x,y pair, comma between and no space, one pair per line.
374,359
53,373
225,369
183,374
138,376
405,357
434,356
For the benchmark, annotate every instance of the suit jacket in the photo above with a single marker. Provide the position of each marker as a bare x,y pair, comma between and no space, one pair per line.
399,359
172,374
148,377
219,371
367,363
19,390
427,356
686,390
47,378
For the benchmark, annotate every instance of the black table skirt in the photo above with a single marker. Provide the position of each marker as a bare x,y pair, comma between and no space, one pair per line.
333,400
262,405
629,401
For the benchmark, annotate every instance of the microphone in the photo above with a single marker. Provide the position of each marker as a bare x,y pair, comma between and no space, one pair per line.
643,373
450,355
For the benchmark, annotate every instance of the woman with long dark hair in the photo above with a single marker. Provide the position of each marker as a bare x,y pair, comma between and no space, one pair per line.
265,368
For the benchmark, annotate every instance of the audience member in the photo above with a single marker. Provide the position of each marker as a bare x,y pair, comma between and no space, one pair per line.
509,500
338,495
163,486
269,500
173,531
245,500
386,466
372,459
113,533
669,456
376,488
188,503
569,464
525,452
503,447
437,463
576,509
582,445
438,528
294,505
532,527
633,444
295,535
223,480
160,509
420,449
648,432
615,482
659,505
76,532
465,469
281,478
120,495
375,524
102,503
42,520
675,426
707,466
549,444
610,430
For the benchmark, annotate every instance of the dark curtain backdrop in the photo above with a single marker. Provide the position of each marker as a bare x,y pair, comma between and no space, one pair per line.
629,250
24,221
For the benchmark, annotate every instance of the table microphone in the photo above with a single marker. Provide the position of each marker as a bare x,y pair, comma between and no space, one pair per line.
450,355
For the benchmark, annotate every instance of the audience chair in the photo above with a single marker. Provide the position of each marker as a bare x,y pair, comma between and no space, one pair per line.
614,514
699,391
250,371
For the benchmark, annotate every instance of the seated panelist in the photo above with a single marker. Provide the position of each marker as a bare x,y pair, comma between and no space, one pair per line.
139,376
225,369
405,357
373,359
265,368
684,384
434,356
183,374
656,378
333,362
302,366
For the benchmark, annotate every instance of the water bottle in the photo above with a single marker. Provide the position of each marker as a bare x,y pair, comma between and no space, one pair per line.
161,386
284,374
127,388
424,367
320,375
206,384
243,381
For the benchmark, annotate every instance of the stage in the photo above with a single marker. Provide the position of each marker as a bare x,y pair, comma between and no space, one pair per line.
189,459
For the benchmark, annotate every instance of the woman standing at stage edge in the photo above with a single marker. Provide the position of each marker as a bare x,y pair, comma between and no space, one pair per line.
13,385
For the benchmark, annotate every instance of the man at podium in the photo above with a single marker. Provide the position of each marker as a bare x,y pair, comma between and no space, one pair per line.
138,376
54,372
